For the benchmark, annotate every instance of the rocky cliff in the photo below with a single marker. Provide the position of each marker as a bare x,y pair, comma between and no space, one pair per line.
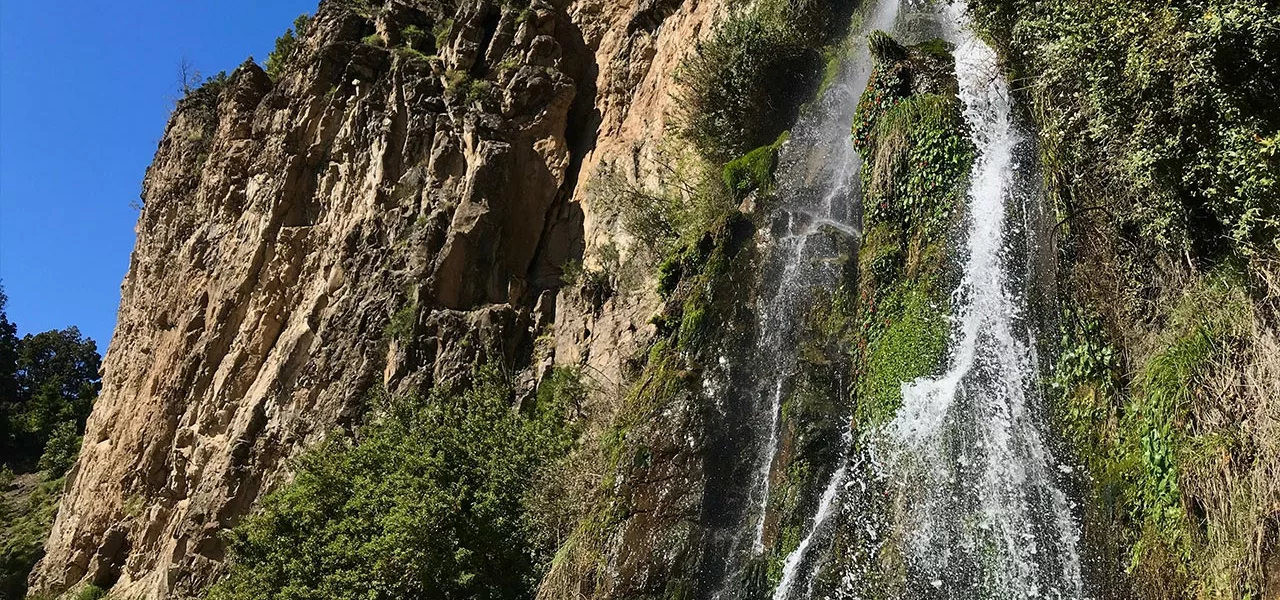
393,209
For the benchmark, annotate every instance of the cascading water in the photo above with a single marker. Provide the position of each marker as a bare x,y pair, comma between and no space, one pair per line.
981,515
986,518
817,200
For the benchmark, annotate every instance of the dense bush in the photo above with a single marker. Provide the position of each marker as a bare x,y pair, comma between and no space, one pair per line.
1174,103
427,501
741,87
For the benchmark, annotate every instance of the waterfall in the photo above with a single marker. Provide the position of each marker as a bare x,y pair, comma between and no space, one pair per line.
985,517
817,197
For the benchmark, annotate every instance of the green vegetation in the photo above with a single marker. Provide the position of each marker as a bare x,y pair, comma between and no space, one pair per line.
287,46
916,143
743,84
427,500
667,218
414,37
48,383
90,592
918,157
753,170
1172,104
400,327
27,508
1158,135
1171,427
906,338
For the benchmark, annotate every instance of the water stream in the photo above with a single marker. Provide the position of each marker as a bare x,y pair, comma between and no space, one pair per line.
981,515
987,518
817,200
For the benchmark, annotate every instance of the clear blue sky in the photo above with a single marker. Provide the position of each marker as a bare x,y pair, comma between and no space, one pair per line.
85,89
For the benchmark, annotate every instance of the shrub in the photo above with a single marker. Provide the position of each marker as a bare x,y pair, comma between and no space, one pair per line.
61,450
23,530
287,46
414,36
90,592
400,327
425,502
1172,104
740,88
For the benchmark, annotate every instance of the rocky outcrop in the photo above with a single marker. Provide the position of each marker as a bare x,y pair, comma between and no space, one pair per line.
395,208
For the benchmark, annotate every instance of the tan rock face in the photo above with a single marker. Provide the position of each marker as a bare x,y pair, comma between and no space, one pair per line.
286,222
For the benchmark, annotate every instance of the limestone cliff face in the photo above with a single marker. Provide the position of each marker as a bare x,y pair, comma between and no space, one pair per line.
392,210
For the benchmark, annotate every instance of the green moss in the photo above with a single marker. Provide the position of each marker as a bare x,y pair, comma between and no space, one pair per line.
918,160
754,170
907,339
694,323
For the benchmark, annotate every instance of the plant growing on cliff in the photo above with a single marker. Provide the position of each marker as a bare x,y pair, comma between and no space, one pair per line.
741,86
287,46
1171,104
426,501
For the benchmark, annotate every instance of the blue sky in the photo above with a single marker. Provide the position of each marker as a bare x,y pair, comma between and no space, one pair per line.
85,89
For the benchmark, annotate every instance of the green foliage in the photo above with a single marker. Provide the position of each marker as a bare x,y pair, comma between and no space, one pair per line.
1136,447
917,145
287,46
24,526
9,348
1172,104
374,39
414,36
426,502
400,327
691,202
694,323
61,450
884,48
906,338
740,86
90,592
753,170
460,86
56,380
48,383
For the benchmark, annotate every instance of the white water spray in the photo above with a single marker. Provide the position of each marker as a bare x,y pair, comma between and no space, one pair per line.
985,518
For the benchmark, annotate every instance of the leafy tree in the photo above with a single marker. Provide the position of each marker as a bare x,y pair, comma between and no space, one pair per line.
61,450
57,380
48,383
8,370
428,501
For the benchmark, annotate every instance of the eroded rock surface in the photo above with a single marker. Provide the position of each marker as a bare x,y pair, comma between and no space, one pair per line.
392,210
